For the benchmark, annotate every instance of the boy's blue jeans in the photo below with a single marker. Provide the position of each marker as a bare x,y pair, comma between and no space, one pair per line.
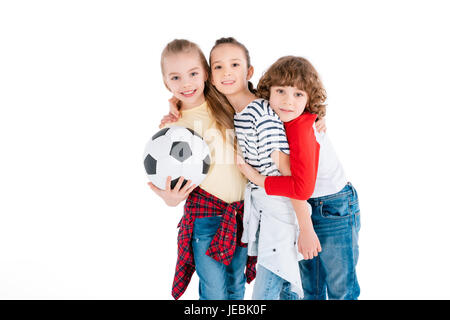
216,280
336,221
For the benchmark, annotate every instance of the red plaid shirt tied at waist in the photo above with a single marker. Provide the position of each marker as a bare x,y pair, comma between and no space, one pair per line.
201,204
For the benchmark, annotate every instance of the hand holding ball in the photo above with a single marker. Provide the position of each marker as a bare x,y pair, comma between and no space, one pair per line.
176,152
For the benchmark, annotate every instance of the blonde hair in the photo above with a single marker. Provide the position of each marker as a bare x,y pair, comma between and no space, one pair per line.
295,72
219,107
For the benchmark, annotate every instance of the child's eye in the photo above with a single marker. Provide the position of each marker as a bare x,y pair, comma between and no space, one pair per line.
235,65
280,91
217,67
193,74
174,78
299,94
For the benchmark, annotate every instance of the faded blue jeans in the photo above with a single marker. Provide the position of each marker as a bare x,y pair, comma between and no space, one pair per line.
336,221
269,286
216,280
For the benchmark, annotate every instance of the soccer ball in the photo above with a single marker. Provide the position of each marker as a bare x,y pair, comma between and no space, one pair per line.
176,152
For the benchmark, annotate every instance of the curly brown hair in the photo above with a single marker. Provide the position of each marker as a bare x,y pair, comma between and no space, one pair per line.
295,72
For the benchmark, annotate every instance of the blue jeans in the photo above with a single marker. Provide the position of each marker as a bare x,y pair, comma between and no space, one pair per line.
336,221
216,280
269,286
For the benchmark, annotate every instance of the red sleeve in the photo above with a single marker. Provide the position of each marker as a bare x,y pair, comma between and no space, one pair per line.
304,158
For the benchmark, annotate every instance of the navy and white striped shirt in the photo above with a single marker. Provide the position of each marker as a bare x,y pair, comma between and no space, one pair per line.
259,132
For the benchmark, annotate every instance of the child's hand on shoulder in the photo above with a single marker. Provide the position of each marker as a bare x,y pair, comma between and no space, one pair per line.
168,118
174,107
321,125
172,197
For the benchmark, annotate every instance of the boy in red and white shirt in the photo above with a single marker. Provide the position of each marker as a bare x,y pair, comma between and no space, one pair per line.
329,237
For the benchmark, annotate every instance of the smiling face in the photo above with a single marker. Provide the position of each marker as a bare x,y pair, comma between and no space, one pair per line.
185,77
287,102
229,69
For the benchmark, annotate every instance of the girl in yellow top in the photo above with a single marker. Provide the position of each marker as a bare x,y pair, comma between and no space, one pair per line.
211,227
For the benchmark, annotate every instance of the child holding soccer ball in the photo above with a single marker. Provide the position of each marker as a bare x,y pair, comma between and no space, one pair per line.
211,226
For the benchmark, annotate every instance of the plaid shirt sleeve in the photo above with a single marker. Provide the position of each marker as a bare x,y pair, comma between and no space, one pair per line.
185,262
250,272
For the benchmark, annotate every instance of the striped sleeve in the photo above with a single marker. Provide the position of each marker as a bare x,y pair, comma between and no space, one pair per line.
271,135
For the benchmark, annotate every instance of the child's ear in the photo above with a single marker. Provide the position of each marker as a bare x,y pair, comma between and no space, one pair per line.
250,72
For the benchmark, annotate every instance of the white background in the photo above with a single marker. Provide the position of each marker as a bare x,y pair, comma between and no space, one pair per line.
81,93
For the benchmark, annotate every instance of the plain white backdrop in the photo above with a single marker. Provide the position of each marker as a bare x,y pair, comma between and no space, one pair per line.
81,93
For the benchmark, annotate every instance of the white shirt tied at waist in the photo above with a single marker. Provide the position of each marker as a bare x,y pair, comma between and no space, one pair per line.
271,231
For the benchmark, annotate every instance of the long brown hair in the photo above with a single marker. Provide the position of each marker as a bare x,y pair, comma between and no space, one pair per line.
219,107
295,72
233,41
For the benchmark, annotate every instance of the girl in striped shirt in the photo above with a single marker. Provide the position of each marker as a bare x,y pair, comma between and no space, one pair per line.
271,228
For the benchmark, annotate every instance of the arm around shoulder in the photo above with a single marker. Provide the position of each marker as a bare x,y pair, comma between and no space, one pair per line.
304,162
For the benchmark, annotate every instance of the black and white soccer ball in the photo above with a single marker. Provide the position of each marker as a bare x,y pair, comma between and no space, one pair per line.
176,152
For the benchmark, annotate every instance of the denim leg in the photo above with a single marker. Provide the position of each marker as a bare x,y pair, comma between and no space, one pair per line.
336,222
267,285
212,274
313,279
286,292
338,261
236,274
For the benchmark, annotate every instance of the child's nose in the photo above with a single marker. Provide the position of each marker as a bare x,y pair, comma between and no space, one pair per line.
186,84
290,101
287,102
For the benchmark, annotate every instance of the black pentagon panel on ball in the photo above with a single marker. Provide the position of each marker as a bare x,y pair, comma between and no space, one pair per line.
160,133
194,133
206,164
174,182
180,150
150,164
